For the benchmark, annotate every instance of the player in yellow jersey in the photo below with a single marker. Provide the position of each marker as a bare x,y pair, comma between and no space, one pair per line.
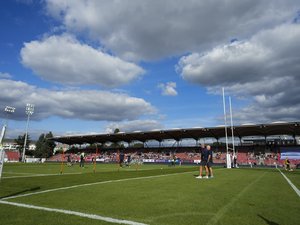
287,164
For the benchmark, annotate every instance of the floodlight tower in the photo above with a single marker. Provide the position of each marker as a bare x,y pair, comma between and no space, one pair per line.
7,110
29,111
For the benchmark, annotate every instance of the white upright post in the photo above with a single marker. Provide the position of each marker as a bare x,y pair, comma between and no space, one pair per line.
1,149
231,121
228,159
7,110
2,133
234,155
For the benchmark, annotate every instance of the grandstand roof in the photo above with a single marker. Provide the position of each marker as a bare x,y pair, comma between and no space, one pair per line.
276,128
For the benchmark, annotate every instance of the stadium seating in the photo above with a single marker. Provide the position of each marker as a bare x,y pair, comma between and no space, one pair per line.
255,155
12,156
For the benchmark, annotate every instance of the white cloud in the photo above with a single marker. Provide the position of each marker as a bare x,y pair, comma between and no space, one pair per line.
265,67
168,89
147,30
73,104
62,59
5,76
13,133
135,125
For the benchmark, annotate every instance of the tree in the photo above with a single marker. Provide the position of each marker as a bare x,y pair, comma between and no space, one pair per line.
20,143
138,145
44,146
117,130
116,145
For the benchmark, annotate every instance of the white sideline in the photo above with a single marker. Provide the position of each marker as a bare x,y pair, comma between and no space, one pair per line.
95,183
69,212
290,183
40,175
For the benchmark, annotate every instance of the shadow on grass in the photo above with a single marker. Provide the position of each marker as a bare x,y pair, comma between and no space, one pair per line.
269,222
21,192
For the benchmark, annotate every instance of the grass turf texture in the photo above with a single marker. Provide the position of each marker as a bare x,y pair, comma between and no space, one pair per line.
235,196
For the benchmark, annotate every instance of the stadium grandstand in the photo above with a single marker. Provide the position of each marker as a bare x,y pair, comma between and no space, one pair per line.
11,150
11,156
261,144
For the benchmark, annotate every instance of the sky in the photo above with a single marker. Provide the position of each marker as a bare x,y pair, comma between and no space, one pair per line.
92,66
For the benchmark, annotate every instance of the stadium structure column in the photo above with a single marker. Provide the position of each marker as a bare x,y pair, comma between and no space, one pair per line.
217,139
241,143
198,140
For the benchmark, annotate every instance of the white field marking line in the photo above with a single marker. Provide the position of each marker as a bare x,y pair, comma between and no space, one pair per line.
37,174
214,220
125,169
69,212
18,173
290,183
40,175
181,214
95,183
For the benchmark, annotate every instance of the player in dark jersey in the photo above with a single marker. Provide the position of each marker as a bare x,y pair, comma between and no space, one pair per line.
203,163
210,161
121,158
81,160
128,160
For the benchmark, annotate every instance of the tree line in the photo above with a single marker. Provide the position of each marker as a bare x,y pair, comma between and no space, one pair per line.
44,146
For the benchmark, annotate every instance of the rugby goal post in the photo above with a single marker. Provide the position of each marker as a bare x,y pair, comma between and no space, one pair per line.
228,155
2,149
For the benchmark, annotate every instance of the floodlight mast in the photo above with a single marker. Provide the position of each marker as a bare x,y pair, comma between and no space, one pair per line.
29,111
7,110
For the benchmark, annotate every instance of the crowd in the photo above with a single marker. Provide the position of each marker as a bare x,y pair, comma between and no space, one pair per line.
243,157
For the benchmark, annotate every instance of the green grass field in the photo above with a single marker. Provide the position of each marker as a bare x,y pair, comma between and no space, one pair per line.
152,195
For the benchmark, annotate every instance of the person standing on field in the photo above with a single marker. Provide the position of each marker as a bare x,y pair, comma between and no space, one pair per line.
81,160
203,163
210,161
